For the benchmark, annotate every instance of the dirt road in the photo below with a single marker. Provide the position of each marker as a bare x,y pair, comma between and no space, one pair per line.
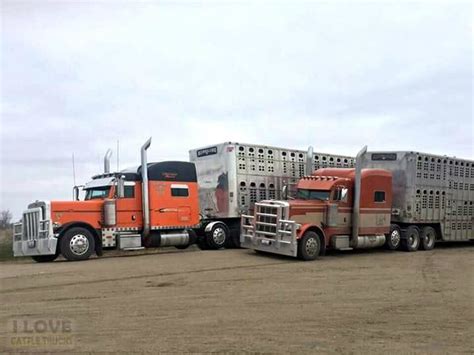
235,300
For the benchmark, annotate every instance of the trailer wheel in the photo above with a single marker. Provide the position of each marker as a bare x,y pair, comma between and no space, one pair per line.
428,238
218,236
77,244
44,258
411,240
393,239
309,246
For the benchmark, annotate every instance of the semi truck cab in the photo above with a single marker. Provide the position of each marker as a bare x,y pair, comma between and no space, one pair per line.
128,210
322,215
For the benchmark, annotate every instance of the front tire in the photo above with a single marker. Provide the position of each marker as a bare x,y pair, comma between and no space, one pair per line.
44,258
411,240
428,238
309,246
218,236
393,239
77,244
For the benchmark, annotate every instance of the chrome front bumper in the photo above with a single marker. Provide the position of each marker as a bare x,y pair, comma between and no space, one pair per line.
34,234
277,238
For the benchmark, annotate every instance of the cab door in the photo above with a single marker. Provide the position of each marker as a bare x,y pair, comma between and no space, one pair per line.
341,197
128,207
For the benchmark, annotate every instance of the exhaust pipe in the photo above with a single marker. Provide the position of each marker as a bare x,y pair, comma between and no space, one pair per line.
145,196
309,161
356,207
107,156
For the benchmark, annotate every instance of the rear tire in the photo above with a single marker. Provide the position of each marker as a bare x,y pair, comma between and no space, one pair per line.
77,244
44,258
309,246
218,236
428,238
393,239
411,240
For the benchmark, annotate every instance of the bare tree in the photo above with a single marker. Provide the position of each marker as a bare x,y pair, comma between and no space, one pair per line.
5,219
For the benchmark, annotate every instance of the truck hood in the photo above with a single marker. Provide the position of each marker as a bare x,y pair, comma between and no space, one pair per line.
90,212
316,204
77,206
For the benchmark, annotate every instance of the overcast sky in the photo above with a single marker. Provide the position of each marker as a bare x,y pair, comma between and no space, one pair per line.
77,76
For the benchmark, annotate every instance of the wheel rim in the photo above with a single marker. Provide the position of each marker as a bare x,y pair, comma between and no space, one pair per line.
311,246
79,244
395,237
218,236
412,240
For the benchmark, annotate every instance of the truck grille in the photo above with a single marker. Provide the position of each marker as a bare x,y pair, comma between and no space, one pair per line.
270,229
266,220
31,224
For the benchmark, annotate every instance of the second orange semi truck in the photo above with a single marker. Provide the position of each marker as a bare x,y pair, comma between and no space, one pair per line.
401,199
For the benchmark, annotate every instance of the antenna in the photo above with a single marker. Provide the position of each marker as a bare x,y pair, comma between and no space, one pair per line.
118,155
73,178
73,170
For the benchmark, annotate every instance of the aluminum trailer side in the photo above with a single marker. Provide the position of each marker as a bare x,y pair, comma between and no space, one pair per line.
233,176
429,191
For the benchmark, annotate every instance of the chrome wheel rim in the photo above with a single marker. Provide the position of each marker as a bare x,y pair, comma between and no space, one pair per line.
79,244
412,241
218,236
311,246
395,237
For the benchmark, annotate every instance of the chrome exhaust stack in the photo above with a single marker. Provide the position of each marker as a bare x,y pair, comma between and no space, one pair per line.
356,207
309,168
107,156
145,195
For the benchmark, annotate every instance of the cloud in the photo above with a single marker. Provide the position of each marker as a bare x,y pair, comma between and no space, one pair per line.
78,76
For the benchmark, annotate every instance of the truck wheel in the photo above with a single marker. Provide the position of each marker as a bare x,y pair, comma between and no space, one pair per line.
309,246
77,244
428,238
392,240
44,258
217,237
411,240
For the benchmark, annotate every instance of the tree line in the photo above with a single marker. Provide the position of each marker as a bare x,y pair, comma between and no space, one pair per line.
5,219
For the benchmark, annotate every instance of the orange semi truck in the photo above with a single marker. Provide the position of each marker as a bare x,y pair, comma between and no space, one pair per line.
405,200
129,210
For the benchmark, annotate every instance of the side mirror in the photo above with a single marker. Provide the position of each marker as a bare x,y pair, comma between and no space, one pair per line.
75,192
284,192
120,187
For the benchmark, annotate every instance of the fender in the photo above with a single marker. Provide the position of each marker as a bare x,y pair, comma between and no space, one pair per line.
212,224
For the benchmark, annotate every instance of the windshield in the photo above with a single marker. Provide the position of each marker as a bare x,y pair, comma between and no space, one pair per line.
97,193
304,194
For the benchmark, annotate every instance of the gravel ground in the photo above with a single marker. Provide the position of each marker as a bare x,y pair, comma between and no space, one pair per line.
236,300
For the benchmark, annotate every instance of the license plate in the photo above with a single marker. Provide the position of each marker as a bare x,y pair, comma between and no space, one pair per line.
266,242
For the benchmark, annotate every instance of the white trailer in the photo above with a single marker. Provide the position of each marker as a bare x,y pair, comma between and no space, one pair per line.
233,176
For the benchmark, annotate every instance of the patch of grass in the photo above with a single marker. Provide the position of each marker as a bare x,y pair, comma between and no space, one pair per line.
6,244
